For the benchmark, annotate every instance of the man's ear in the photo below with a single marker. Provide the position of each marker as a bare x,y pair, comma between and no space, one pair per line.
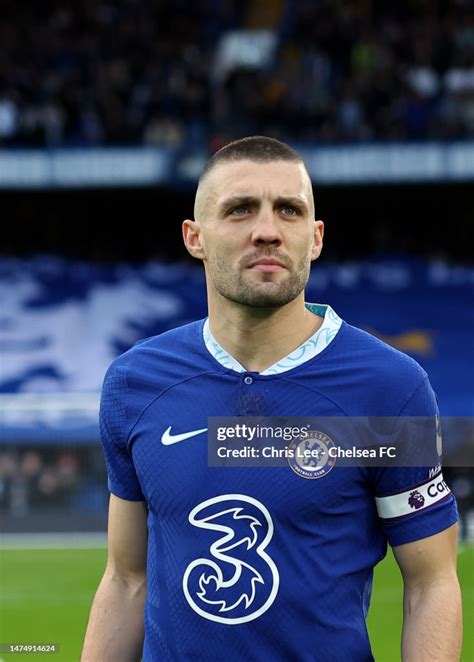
317,240
192,239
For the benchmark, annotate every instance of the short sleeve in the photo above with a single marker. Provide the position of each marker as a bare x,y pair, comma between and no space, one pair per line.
416,502
122,477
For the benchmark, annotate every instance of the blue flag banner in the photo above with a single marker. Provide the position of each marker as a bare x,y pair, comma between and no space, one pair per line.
62,322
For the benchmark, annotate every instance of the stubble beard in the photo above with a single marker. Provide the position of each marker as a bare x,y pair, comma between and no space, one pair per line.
237,286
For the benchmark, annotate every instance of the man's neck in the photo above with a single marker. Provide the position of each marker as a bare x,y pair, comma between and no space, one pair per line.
259,337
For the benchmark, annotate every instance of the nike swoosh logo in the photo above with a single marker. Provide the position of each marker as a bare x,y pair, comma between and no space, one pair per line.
167,438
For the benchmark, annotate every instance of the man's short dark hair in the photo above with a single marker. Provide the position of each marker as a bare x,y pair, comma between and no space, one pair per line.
253,148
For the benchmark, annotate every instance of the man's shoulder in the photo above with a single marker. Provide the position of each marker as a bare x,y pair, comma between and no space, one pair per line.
368,375
361,342
180,337
151,358
378,355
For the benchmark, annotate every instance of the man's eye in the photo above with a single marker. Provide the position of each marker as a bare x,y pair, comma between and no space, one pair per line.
239,211
290,211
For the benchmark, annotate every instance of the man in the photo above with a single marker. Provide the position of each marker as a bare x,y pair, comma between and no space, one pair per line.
262,563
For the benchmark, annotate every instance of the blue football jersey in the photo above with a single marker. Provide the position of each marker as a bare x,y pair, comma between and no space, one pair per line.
262,563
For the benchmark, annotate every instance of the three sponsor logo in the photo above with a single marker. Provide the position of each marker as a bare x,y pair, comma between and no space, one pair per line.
235,581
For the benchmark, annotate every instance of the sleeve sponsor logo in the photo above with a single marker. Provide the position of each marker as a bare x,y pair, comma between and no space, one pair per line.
413,500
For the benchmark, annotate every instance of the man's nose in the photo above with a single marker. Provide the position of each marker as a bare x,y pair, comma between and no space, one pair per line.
266,229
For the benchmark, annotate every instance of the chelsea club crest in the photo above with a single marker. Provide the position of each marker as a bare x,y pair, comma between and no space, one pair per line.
310,457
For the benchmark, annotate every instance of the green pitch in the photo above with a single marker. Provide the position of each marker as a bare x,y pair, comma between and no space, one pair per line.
46,594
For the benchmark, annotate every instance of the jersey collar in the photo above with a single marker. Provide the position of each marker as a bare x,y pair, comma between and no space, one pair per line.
306,351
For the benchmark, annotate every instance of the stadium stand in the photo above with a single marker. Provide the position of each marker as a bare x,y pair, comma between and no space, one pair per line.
129,72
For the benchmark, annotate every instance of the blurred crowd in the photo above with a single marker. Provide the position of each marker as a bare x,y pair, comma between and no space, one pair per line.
107,71
94,72
34,479
372,70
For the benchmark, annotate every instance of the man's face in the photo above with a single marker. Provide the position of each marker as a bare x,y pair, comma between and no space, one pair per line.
255,231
